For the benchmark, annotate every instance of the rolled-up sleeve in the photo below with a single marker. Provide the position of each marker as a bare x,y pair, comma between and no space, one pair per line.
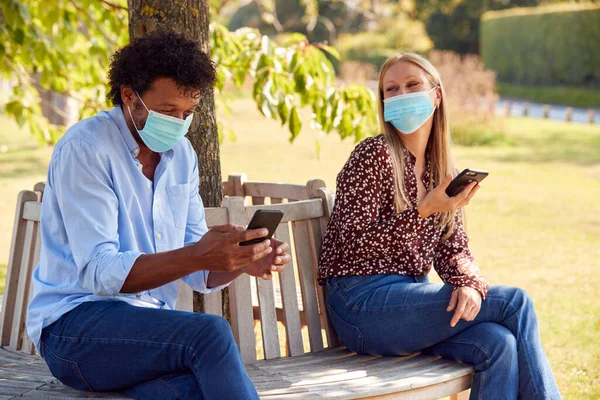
80,176
195,228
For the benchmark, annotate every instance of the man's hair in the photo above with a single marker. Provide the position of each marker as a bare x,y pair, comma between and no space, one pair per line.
162,54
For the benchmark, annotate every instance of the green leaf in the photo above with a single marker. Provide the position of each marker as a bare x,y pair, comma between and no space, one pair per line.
331,51
265,108
345,126
19,36
283,111
290,39
295,124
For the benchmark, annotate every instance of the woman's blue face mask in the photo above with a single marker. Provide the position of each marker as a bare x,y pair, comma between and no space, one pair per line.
162,132
408,112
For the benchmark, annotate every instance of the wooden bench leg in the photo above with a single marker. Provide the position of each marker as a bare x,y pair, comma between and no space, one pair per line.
464,395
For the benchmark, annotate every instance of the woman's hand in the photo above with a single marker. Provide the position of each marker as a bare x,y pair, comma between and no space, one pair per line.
274,262
438,201
467,302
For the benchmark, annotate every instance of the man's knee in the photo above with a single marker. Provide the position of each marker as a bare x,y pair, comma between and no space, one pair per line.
214,325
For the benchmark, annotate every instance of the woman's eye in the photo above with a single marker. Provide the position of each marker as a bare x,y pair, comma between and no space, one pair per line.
412,84
391,89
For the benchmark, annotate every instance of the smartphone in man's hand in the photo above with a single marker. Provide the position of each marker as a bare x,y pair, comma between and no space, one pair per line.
269,219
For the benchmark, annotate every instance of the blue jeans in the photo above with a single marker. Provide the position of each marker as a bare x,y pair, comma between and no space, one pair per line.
146,353
392,315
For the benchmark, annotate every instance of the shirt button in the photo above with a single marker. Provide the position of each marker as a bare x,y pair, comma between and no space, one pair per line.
158,235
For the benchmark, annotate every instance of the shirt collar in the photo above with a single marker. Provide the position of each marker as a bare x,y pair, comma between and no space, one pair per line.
411,161
117,115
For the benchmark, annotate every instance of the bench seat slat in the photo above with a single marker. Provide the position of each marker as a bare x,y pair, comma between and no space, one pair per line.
373,376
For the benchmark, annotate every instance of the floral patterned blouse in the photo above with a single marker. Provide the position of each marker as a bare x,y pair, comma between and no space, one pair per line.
365,235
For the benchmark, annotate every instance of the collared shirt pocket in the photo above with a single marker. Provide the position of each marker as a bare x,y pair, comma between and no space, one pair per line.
179,199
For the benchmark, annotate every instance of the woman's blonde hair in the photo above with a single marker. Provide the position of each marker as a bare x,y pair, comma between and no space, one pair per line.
438,146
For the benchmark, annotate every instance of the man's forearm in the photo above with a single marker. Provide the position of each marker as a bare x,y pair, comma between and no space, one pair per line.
153,270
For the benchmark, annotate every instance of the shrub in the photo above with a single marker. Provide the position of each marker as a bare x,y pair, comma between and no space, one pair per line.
469,86
391,37
543,45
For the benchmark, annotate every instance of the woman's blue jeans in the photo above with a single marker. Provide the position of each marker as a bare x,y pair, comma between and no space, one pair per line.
146,353
397,315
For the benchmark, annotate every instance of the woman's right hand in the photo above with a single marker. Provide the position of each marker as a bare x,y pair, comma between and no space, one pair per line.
438,201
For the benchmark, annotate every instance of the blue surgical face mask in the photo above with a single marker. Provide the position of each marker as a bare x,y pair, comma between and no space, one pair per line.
162,132
408,112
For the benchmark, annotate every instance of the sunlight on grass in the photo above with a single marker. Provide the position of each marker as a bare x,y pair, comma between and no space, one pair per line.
535,223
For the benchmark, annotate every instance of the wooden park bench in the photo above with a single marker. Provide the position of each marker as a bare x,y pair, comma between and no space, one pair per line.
281,326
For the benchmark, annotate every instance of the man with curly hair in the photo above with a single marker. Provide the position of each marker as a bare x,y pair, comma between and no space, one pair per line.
122,222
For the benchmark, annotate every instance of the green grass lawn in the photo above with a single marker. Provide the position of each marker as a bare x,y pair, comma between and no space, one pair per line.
535,223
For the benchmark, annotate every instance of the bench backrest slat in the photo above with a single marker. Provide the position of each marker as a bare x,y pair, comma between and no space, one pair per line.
213,303
28,259
318,232
259,192
289,299
240,292
306,259
14,266
268,318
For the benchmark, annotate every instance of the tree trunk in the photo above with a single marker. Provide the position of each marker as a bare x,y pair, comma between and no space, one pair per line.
192,18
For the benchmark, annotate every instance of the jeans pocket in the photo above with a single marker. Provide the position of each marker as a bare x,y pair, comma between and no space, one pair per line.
350,335
66,371
179,200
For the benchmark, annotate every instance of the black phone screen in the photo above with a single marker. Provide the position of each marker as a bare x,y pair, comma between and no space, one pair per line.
463,179
269,219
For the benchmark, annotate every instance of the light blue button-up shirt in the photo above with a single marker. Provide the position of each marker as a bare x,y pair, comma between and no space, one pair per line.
100,213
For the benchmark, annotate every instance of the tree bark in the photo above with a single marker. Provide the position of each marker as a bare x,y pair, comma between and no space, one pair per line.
191,17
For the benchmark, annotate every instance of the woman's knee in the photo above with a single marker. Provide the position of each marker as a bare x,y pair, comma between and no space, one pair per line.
513,297
495,343
522,301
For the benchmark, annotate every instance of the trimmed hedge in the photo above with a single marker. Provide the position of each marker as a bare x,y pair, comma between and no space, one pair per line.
552,45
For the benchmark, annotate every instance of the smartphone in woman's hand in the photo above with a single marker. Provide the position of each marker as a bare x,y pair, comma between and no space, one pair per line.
463,179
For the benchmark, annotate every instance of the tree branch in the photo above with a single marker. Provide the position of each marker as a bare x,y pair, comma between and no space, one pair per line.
113,5
96,24
276,24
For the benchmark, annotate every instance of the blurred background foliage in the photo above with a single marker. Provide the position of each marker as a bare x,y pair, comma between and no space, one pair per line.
315,54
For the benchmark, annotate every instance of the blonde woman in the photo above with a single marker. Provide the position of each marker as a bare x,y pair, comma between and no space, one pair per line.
392,219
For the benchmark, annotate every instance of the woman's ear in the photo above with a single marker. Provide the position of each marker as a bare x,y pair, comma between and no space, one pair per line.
438,95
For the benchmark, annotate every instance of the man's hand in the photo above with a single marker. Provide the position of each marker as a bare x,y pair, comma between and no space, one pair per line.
274,262
467,302
218,250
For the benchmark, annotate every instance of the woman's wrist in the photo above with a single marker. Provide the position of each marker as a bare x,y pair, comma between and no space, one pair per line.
423,209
